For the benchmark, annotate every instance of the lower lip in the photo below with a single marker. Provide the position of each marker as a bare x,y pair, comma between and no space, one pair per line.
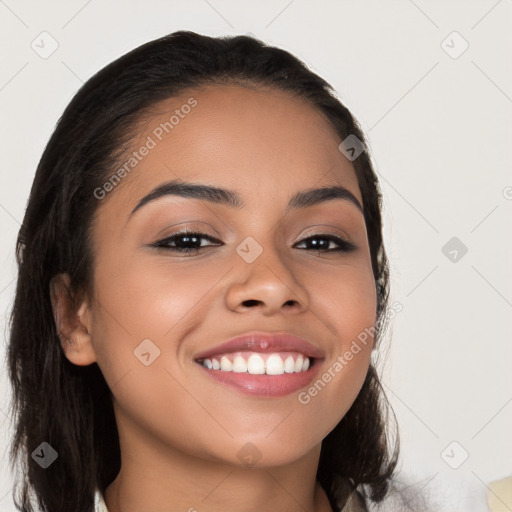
264,385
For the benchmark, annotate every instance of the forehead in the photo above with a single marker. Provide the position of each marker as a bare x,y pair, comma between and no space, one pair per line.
259,141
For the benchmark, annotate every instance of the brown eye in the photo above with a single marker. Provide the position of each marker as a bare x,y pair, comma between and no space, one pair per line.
343,245
184,241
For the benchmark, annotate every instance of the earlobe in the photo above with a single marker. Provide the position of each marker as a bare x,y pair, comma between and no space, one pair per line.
71,322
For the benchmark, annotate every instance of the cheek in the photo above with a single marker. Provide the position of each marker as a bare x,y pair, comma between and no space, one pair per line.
146,298
138,323
144,307
344,299
346,302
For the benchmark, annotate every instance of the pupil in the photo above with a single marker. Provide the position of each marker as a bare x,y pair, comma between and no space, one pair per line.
186,240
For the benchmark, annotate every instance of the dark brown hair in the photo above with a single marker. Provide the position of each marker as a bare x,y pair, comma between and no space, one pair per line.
69,406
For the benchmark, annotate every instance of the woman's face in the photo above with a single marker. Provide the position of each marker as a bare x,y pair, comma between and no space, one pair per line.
156,309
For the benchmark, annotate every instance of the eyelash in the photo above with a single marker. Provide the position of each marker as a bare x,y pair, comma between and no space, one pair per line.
344,245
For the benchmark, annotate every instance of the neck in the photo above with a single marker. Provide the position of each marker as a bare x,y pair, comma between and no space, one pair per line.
152,478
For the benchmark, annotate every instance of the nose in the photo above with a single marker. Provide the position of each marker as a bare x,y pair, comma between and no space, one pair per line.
268,285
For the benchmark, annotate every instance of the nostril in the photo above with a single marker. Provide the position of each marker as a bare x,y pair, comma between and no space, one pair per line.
251,302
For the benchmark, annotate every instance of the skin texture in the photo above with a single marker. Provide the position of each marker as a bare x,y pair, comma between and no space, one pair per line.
180,431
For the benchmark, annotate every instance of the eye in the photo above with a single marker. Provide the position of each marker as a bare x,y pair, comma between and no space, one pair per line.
343,245
185,241
190,241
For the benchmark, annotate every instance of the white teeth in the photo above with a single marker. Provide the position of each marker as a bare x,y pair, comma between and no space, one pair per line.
225,365
256,365
274,365
299,363
289,365
239,365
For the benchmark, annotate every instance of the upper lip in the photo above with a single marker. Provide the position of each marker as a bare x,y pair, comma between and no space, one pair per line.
264,342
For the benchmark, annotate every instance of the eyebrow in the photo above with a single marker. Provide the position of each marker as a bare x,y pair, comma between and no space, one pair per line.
302,199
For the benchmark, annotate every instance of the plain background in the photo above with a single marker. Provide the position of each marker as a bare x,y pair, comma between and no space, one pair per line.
440,132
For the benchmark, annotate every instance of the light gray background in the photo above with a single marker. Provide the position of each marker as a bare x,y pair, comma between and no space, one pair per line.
440,134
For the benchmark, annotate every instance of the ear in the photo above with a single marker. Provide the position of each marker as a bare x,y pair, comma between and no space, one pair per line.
72,321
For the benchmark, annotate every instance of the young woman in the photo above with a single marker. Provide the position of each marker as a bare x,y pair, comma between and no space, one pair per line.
202,282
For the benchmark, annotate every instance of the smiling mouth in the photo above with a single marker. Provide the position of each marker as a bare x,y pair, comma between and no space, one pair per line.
259,363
